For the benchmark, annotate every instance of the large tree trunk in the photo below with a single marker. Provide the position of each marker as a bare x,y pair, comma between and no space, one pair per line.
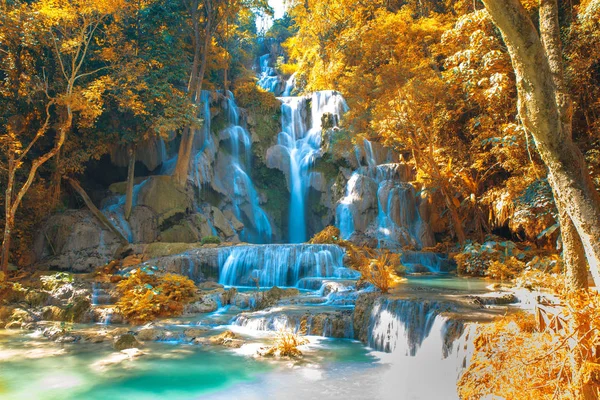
130,181
540,113
573,251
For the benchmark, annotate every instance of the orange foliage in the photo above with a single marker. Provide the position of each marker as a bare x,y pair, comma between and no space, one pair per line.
146,296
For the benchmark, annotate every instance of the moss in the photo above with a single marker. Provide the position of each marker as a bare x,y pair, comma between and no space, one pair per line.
211,240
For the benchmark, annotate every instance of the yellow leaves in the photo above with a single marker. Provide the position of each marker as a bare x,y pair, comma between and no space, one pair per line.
146,296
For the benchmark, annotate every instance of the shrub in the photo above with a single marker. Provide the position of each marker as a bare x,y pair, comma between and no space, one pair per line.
146,296
286,344
379,268
329,235
475,259
210,240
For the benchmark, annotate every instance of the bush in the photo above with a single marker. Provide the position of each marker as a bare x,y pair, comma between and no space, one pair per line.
329,235
146,296
379,268
286,344
210,240
476,259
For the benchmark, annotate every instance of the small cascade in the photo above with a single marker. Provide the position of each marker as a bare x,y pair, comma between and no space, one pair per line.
381,204
300,141
268,79
204,146
281,265
418,338
400,326
115,212
316,321
233,178
101,294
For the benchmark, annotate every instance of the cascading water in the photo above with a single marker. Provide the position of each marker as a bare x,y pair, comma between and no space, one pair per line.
281,265
381,204
417,338
301,142
236,182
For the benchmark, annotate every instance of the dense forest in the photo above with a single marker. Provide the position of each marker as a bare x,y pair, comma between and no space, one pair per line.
421,176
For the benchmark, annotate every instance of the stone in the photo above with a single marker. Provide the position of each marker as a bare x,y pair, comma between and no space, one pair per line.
235,223
150,334
74,240
144,224
206,305
193,333
222,338
210,286
52,313
164,197
202,225
183,232
221,224
126,341
278,158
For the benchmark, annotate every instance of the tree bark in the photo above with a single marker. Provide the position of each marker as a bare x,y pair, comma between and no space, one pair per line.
184,156
130,181
541,116
97,213
573,251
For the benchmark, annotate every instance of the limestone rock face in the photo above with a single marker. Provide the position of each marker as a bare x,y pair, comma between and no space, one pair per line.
183,232
75,241
162,196
144,225
279,158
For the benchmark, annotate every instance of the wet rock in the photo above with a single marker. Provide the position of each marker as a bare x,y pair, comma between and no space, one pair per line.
227,339
362,314
144,224
75,241
150,334
193,333
22,316
126,341
273,295
206,305
235,223
183,232
164,198
14,325
496,299
221,224
211,286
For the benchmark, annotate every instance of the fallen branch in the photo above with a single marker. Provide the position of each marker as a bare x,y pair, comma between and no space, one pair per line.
97,213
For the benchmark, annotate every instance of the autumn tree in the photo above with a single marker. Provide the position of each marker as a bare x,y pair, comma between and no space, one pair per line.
68,30
545,112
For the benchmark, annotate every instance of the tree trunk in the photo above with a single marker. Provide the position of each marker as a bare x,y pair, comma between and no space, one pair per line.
6,243
130,179
184,156
97,213
541,116
573,251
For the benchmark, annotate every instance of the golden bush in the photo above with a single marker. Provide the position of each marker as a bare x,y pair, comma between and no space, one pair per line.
146,296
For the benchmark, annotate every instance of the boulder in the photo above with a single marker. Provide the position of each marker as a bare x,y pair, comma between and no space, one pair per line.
221,223
183,232
202,225
150,334
126,341
164,197
206,305
235,223
76,241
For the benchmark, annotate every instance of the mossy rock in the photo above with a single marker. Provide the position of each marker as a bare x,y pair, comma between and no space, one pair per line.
77,309
164,197
184,232
126,341
163,249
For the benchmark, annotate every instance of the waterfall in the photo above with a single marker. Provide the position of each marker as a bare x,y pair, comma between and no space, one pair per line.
234,180
380,203
268,79
281,265
423,346
301,139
